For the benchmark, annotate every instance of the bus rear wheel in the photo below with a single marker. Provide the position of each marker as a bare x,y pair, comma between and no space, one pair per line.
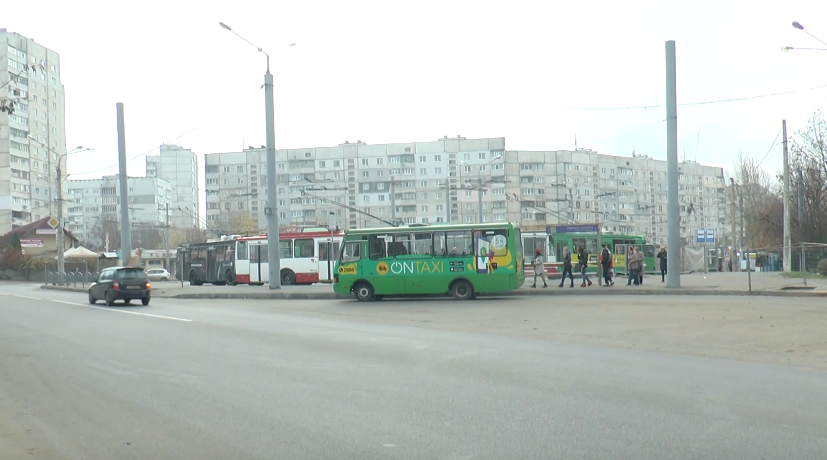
230,278
462,290
363,292
288,278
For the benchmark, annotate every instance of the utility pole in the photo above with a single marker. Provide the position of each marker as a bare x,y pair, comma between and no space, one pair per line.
479,194
673,215
393,201
166,239
448,200
787,255
800,220
732,253
741,200
61,236
126,243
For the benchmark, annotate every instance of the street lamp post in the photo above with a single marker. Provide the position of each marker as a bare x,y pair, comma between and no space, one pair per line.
60,234
271,210
798,26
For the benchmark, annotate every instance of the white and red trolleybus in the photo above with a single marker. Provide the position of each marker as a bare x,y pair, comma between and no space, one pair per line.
306,257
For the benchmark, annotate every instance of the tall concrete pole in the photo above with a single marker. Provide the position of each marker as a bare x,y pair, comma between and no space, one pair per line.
448,200
166,240
393,201
272,198
61,233
801,219
673,215
479,195
787,256
736,262
126,243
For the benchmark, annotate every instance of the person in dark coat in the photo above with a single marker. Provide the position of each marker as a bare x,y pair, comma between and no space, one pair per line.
606,265
583,263
567,266
662,257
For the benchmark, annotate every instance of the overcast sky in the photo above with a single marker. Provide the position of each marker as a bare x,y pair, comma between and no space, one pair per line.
392,71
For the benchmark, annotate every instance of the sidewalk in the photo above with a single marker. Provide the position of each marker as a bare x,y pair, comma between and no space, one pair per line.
720,284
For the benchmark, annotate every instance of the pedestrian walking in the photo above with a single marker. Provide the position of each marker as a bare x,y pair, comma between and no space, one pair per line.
606,265
663,265
567,266
630,253
583,262
539,270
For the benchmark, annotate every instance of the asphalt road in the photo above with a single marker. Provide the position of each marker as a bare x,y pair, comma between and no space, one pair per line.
229,379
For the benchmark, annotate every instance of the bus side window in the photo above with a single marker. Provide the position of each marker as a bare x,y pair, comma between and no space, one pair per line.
241,250
351,251
379,246
286,249
304,248
440,244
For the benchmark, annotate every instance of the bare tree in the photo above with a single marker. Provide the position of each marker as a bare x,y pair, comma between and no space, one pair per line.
808,154
763,208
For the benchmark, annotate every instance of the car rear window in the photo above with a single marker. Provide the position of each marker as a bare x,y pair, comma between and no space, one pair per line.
131,273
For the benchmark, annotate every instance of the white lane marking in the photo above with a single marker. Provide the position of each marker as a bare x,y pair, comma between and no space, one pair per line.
123,311
27,297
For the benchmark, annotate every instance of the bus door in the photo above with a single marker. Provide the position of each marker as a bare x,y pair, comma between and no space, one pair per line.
328,251
620,252
258,258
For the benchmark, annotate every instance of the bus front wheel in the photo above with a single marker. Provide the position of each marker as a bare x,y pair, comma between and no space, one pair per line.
462,290
363,292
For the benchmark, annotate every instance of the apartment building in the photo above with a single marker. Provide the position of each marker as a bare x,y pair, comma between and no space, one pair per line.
179,166
32,136
94,203
461,180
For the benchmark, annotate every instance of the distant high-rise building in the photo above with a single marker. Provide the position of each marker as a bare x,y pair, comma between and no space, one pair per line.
94,206
30,82
180,167
356,185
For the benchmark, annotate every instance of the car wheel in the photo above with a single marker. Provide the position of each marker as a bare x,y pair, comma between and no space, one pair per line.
462,290
126,301
145,301
164,279
363,292
92,300
110,298
288,278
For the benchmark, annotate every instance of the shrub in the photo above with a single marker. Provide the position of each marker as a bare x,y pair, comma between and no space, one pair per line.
822,267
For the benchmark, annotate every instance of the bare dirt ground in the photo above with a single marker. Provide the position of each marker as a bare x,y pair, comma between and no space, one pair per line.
791,331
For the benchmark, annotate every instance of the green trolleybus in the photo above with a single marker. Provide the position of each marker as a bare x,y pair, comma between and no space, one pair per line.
458,260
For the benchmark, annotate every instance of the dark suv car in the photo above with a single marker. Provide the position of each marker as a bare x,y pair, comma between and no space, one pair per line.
121,283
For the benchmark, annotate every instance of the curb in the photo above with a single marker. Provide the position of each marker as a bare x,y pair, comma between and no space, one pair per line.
517,293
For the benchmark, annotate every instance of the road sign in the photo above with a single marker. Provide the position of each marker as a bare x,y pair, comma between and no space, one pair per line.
576,229
53,222
705,235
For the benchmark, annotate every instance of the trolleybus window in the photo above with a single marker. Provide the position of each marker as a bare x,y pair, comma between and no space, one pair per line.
286,249
242,250
304,248
458,243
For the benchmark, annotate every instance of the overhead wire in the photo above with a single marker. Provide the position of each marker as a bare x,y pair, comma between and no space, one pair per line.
217,114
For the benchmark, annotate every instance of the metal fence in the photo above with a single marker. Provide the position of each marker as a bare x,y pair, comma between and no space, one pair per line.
78,274
764,267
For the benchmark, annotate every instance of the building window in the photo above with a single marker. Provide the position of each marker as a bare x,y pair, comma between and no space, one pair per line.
364,161
423,171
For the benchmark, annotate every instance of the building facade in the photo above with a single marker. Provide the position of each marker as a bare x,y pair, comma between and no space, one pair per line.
460,180
179,166
94,206
32,136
